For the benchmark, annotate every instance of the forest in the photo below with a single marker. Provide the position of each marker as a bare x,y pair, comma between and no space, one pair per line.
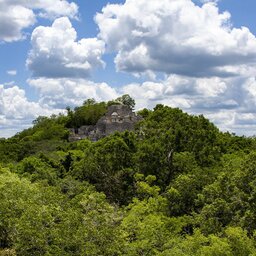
175,186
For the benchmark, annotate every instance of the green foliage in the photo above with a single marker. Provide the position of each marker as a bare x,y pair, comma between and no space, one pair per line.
174,186
38,220
46,135
46,129
171,129
107,164
35,169
127,100
7,252
144,112
88,114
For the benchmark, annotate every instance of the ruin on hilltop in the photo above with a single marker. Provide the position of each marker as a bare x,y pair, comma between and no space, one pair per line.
117,118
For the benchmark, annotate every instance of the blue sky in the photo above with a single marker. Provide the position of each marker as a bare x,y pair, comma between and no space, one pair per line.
197,55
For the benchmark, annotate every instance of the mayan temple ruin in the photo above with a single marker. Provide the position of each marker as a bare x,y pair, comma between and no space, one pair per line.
117,118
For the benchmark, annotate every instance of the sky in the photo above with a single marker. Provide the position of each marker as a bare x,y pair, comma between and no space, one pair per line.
197,55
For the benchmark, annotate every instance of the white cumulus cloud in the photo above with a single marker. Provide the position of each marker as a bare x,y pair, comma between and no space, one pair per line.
48,8
62,92
17,15
16,111
223,100
186,93
174,37
13,20
57,53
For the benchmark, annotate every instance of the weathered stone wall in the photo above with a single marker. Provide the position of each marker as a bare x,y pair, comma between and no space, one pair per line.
118,118
120,127
81,133
121,110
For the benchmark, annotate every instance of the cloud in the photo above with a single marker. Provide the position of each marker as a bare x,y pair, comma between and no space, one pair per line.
175,37
56,53
208,65
17,112
50,9
13,20
182,92
17,15
62,92
208,1
12,72
223,100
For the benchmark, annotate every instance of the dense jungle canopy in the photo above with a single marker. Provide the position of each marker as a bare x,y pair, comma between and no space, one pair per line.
176,185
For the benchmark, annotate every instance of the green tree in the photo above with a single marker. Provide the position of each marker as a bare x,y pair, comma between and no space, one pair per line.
107,164
127,100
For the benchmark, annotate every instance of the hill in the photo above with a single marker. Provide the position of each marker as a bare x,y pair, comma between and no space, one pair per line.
175,185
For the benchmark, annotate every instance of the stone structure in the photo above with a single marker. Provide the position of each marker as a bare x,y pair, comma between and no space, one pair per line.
118,118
